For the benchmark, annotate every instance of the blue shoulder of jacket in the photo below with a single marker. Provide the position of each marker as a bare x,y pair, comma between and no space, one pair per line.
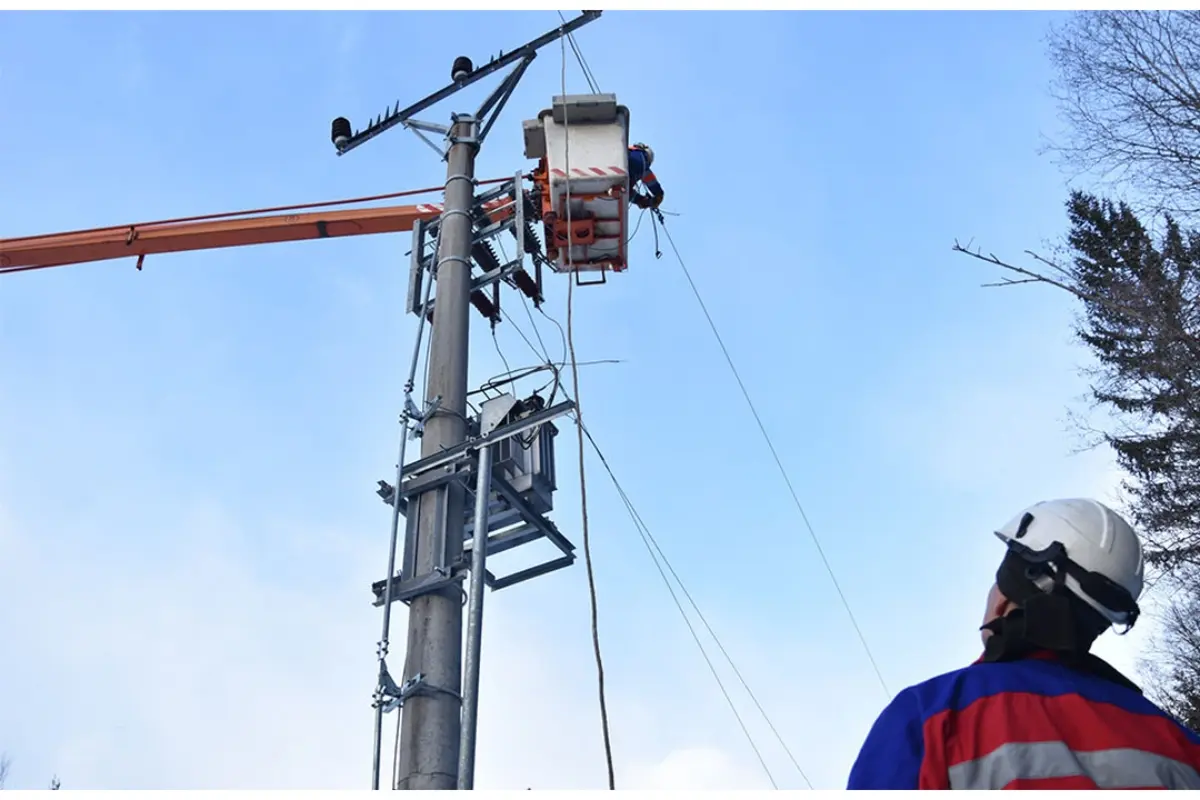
956,690
894,750
891,756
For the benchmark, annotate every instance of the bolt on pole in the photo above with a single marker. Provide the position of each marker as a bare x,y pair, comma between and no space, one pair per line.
427,749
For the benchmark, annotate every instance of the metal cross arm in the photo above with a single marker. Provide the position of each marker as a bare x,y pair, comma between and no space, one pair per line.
417,475
463,75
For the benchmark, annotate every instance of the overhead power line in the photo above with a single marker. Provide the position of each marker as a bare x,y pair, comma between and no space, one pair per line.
667,572
778,462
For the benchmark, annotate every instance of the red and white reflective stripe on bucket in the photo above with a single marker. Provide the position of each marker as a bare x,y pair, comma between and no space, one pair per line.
590,172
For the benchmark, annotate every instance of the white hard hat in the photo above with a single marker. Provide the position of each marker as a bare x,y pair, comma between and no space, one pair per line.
649,152
1098,553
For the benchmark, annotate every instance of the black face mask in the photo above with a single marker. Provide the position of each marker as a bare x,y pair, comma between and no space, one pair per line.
1044,622
1011,641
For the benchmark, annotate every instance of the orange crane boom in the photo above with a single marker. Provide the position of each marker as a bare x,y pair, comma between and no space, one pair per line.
173,236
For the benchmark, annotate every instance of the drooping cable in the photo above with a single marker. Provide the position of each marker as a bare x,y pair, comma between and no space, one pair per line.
647,538
583,65
650,541
587,549
529,314
499,352
660,560
778,461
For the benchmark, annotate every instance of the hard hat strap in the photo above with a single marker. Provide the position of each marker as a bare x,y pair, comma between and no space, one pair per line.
1048,569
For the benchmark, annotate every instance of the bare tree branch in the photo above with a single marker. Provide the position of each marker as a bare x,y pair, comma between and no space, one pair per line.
6,763
1009,282
1173,669
1037,277
1127,88
1140,318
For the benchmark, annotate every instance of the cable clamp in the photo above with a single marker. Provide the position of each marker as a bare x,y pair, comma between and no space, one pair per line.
414,418
397,696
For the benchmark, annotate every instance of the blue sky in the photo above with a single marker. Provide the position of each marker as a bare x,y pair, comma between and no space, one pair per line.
188,454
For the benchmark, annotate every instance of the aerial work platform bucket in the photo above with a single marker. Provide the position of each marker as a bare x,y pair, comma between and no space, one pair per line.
582,143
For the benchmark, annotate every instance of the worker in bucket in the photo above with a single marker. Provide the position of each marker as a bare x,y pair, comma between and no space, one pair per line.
640,159
1038,710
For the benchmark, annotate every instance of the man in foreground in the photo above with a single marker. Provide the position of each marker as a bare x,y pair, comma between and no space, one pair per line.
1038,710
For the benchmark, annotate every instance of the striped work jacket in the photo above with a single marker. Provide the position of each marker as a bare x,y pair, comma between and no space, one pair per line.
1034,723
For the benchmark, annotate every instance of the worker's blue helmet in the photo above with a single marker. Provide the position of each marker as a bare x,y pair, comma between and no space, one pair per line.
645,149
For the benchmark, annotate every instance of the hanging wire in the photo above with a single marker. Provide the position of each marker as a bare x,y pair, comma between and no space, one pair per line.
583,65
660,561
587,549
657,553
647,538
778,461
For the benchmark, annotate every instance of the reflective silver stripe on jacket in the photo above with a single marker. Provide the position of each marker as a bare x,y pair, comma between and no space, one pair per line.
1110,769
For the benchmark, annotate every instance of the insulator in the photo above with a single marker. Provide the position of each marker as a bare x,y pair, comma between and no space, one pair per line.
484,306
340,133
461,69
527,285
532,245
485,256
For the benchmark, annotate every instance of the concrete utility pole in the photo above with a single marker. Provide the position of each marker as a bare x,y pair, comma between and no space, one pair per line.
433,711
427,750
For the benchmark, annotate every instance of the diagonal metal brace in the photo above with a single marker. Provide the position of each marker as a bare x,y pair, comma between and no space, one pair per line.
500,97
396,116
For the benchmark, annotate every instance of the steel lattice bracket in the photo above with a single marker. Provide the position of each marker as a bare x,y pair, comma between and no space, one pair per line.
504,209
457,464
533,526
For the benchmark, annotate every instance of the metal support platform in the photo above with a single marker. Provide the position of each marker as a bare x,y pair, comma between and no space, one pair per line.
513,519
